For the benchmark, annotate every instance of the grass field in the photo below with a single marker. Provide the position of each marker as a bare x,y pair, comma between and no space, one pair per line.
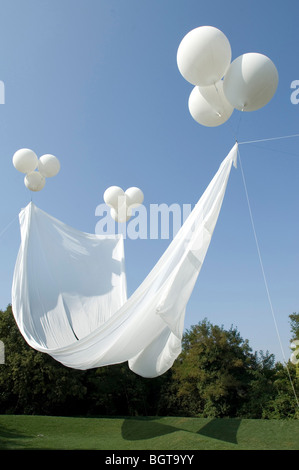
169,433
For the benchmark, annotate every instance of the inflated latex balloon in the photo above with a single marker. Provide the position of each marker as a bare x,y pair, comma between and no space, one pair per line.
295,357
209,106
134,197
34,181
122,215
295,354
122,203
114,214
204,55
48,165
112,195
25,160
250,82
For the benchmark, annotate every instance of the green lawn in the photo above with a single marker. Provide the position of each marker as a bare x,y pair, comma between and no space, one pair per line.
168,433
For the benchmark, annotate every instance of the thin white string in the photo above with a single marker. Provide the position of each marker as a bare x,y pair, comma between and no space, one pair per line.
264,277
271,138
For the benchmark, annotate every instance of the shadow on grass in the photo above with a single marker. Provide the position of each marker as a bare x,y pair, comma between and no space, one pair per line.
222,429
147,428
11,439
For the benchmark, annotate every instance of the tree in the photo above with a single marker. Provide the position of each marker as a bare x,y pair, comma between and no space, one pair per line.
261,387
285,403
282,405
213,372
216,375
32,382
116,390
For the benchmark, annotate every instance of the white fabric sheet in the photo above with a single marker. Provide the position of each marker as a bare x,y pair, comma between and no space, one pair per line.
69,289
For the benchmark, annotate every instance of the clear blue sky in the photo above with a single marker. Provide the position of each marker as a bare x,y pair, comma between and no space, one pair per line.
96,83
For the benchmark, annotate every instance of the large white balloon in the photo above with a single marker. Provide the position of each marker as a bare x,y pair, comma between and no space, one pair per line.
204,55
295,354
112,195
250,82
48,165
209,106
25,160
34,181
134,197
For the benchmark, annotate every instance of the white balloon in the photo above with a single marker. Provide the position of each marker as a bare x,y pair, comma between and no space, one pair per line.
48,165
34,181
112,195
209,106
121,216
204,55
134,197
250,81
295,354
25,160
295,357
113,213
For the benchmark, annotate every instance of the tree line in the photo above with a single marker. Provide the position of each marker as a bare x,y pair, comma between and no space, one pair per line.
216,375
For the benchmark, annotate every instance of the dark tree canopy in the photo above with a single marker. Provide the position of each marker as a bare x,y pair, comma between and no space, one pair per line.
216,375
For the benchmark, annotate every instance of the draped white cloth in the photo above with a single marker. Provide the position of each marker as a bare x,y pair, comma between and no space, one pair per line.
69,289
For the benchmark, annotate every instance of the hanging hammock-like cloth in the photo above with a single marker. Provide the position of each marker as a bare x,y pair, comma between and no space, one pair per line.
69,289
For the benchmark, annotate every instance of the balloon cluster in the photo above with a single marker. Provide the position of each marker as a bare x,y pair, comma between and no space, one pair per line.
122,202
36,169
204,60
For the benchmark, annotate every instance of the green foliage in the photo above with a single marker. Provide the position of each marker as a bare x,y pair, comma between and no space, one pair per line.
213,371
216,375
116,390
283,403
33,383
